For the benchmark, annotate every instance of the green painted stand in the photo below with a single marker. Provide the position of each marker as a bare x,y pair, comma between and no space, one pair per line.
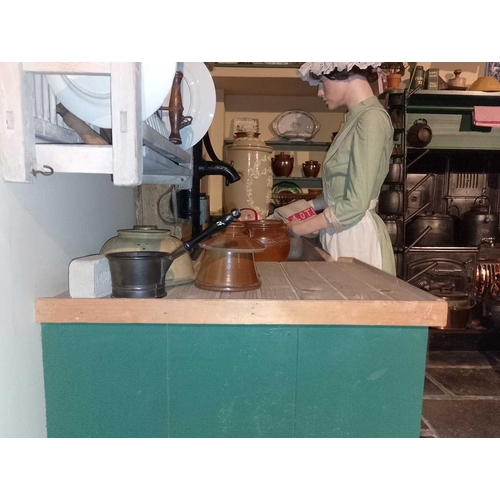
136,380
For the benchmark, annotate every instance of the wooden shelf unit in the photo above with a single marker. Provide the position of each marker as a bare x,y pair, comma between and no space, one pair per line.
268,81
139,154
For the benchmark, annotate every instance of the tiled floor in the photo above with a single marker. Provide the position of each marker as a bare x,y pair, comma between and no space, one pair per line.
462,395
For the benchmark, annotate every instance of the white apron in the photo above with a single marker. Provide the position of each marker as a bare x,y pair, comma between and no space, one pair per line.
359,242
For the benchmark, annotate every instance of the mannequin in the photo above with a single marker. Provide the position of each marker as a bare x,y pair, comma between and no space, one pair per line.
354,167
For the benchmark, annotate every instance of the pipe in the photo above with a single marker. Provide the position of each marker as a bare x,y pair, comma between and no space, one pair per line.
190,198
218,168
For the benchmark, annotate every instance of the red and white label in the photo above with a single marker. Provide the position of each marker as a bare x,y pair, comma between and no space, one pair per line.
303,215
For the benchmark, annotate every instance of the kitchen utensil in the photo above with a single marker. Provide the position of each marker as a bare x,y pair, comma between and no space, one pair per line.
311,168
282,165
419,78
440,235
142,274
253,214
295,125
152,239
175,109
87,134
457,83
198,100
459,309
391,202
89,96
227,263
252,159
419,134
273,234
395,228
395,174
478,223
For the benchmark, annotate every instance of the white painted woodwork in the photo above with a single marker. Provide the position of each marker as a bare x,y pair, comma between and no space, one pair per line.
126,119
17,123
82,68
75,158
291,293
154,140
29,116
48,132
159,169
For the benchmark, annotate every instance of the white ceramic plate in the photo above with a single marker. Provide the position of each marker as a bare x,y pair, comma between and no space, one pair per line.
296,125
89,97
198,100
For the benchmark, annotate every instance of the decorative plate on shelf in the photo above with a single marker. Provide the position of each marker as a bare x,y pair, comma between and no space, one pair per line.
89,96
285,187
198,100
295,125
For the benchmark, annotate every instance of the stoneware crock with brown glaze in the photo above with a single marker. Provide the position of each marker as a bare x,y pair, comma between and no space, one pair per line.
273,234
227,263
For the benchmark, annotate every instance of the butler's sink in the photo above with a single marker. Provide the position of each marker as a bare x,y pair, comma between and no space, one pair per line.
303,249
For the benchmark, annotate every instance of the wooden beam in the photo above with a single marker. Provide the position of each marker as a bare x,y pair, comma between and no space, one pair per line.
17,123
291,293
126,119
75,158
66,68
242,312
162,145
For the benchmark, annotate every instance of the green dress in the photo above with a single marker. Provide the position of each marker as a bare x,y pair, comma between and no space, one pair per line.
354,170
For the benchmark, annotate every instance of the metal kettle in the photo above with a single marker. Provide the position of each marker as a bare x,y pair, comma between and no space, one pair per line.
479,223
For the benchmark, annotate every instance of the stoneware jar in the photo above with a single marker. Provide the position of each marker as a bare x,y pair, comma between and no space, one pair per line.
311,168
152,239
252,160
227,262
273,234
282,165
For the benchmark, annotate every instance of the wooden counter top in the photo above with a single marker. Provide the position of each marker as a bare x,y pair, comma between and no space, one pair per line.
345,292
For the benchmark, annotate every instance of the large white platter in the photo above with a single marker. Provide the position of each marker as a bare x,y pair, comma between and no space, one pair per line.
89,97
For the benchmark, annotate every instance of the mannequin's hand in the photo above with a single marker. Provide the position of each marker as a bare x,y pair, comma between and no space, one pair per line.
297,228
309,226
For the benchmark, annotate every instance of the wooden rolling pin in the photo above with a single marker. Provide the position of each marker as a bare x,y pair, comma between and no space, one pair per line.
88,135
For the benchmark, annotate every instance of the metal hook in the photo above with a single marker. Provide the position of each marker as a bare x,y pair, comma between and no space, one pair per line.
50,171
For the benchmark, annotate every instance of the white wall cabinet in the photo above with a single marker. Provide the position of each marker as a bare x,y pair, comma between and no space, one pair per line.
32,136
